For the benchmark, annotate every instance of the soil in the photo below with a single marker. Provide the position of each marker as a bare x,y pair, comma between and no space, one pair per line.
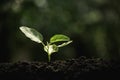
74,69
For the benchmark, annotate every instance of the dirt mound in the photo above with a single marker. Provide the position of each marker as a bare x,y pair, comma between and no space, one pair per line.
74,69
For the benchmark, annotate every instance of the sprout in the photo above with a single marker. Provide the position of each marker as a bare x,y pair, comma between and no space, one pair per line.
50,47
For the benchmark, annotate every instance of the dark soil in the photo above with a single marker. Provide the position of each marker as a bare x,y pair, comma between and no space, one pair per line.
75,69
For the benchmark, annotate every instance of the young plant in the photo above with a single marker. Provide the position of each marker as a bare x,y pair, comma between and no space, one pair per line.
51,46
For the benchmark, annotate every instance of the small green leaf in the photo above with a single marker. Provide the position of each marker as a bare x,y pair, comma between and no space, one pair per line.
58,38
32,34
64,44
51,49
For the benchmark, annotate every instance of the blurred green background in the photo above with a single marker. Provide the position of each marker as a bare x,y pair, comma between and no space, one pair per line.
93,25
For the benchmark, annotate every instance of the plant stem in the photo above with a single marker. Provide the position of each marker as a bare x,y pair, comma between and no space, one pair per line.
49,58
43,44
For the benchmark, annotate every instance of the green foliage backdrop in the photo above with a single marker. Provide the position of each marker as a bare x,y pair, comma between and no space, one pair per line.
93,25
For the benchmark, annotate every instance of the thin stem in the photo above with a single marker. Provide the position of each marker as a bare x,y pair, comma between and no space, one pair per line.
43,44
49,58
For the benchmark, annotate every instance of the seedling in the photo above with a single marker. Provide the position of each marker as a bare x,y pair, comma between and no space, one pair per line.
51,46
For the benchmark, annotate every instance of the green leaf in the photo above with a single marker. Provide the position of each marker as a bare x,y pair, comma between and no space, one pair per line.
64,44
51,49
58,38
32,34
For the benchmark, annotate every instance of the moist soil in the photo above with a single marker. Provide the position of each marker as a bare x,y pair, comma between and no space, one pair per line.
73,69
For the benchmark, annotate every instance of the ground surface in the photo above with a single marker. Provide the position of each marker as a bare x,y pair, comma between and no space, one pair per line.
74,69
